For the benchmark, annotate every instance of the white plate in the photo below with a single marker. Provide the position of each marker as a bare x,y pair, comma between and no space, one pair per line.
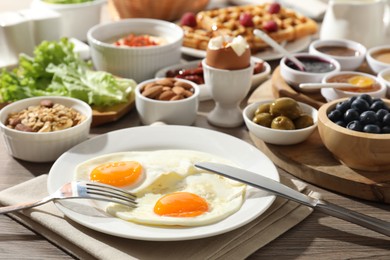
162,137
269,54
204,90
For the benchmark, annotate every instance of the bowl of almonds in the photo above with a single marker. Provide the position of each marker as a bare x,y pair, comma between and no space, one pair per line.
40,129
168,100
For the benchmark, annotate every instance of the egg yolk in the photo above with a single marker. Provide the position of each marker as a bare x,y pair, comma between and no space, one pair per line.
117,174
361,81
181,204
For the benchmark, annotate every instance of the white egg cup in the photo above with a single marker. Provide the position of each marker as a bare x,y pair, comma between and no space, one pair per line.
228,88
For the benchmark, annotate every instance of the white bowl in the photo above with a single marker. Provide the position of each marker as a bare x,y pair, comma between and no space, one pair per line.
76,19
375,64
44,147
205,94
384,76
179,112
331,94
276,136
351,62
138,63
295,77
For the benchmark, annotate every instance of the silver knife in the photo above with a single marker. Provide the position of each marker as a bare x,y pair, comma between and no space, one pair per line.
264,183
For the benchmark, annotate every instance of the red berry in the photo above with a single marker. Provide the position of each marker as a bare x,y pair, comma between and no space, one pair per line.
274,8
270,26
246,20
188,19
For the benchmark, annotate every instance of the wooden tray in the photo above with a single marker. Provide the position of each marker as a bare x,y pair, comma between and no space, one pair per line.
103,115
312,162
281,89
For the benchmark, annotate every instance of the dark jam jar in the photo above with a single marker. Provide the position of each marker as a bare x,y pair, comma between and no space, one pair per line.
313,64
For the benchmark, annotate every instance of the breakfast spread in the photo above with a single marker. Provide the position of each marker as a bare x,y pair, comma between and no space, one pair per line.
382,56
46,117
144,40
228,53
365,84
363,114
282,114
170,190
167,89
279,23
313,64
338,51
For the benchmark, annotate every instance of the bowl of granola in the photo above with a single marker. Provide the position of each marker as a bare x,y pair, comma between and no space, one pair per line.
40,129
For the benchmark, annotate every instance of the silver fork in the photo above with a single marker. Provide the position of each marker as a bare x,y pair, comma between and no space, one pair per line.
80,190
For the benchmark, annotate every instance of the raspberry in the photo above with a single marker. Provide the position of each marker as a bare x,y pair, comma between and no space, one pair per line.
246,20
188,19
274,8
270,26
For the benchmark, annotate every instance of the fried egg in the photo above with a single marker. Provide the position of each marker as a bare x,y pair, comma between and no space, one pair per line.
169,189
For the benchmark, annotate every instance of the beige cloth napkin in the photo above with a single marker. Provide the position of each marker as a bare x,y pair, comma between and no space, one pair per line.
85,243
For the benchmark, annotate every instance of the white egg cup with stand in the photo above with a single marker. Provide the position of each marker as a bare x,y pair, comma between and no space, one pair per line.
228,88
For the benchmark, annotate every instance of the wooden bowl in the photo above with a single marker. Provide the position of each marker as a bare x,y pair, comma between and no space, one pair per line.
169,10
361,151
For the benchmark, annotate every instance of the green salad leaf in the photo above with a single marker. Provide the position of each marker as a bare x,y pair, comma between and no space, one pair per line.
57,70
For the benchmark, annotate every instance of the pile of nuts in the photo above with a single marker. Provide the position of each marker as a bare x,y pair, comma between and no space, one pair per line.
167,89
46,117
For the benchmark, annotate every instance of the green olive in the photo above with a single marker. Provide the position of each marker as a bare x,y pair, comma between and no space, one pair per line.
263,108
303,121
285,107
263,119
282,123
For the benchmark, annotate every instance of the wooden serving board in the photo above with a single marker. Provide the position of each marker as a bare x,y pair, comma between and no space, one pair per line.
312,162
281,89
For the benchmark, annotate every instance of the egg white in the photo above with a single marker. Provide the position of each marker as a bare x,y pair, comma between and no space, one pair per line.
168,171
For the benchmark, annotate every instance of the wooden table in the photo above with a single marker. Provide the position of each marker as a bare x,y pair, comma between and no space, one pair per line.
319,236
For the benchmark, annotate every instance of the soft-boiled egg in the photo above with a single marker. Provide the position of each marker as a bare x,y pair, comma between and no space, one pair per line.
169,189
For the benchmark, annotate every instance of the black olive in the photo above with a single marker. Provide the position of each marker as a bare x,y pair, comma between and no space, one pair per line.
380,114
341,123
355,125
335,115
374,129
365,97
368,117
379,104
350,115
385,129
343,106
386,120
360,105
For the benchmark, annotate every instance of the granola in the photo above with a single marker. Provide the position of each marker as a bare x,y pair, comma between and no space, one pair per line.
46,117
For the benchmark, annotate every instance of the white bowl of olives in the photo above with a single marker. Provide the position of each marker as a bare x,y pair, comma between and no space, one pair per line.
282,121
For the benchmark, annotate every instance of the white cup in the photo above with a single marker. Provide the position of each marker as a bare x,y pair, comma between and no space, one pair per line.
361,21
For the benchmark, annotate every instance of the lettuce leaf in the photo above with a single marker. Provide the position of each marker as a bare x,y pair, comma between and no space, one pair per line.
57,70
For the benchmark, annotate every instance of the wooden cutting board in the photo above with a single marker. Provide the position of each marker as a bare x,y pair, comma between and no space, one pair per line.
312,162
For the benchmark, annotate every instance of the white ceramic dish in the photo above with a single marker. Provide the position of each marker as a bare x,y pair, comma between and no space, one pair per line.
333,93
275,136
138,63
205,94
376,65
384,76
178,112
163,137
346,62
76,19
269,54
48,146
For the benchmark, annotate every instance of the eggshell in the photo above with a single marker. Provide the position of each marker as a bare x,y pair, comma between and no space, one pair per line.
227,59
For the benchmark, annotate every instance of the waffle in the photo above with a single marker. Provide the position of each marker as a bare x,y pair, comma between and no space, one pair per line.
211,23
